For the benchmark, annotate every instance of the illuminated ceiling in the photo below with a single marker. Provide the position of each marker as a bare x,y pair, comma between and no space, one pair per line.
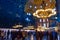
41,8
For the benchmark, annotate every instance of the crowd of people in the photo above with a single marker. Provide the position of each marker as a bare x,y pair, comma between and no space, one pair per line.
16,35
31,35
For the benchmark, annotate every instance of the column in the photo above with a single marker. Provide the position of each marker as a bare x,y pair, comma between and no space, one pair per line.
47,22
44,23
40,22
58,36
32,37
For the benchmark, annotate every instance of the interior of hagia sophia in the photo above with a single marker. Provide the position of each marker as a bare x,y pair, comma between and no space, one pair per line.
44,23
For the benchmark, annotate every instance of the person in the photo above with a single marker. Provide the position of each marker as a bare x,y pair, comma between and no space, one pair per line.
39,35
2,35
18,37
45,37
50,35
54,35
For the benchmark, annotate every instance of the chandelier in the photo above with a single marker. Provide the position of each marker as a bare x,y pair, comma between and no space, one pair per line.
41,8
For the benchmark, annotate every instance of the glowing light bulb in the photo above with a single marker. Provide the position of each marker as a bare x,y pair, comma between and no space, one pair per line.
30,6
27,19
29,14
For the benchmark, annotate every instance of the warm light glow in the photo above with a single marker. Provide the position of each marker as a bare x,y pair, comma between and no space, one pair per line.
17,26
29,28
40,29
56,29
42,15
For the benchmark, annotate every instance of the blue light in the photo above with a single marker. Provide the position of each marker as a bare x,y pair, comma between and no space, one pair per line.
29,14
56,17
27,19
